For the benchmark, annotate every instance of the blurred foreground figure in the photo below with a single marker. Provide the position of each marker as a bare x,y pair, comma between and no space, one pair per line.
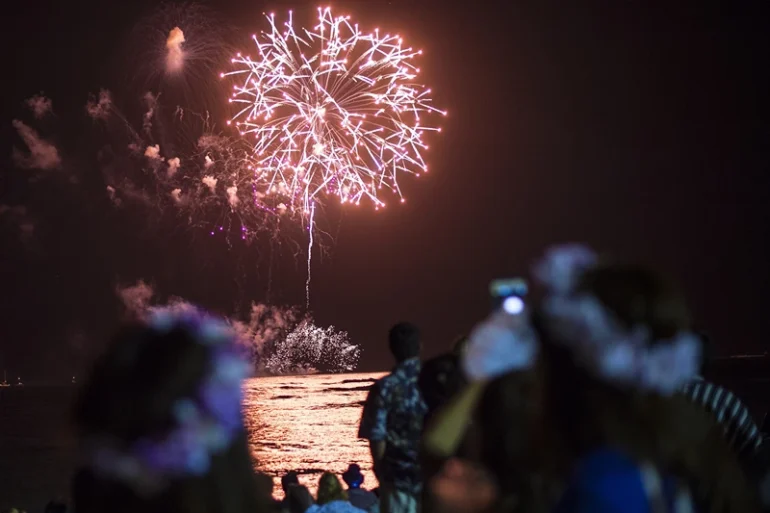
392,421
584,416
160,426
740,430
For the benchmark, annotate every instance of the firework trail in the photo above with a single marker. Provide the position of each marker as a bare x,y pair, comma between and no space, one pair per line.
331,111
309,254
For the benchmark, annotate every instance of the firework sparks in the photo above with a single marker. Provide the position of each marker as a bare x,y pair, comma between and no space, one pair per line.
332,111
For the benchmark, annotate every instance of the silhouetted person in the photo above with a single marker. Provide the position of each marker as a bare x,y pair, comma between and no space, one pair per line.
358,496
392,421
298,498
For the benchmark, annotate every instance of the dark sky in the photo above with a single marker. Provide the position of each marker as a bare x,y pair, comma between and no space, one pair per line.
640,129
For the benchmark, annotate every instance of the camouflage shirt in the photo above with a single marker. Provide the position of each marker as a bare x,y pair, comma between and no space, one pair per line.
394,412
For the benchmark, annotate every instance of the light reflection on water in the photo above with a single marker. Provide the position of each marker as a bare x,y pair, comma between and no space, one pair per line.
308,424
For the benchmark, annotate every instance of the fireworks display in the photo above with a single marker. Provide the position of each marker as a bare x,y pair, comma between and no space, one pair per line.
331,111
324,114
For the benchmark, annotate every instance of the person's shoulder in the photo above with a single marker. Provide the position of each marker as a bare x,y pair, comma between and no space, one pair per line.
607,480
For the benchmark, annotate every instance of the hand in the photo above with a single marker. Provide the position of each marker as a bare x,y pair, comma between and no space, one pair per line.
462,487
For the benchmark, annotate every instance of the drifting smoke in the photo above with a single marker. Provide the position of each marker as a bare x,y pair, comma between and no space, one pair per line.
99,108
175,55
280,340
153,152
176,195
173,166
151,101
232,197
42,154
111,194
136,298
40,105
210,182
18,217
208,162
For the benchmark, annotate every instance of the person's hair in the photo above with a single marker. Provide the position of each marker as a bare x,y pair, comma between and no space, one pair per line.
505,447
708,351
671,432
330,489
130,395
460,345
439,380
404,341
298,498
353,476
289,479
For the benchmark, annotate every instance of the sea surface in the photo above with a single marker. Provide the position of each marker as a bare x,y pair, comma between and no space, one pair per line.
303,423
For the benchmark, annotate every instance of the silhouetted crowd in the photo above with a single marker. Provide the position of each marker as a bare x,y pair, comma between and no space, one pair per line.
589,399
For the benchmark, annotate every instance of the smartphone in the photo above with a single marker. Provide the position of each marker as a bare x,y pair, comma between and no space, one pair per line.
508,294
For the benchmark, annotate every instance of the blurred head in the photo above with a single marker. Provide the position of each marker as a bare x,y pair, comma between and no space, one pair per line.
404,341
289,479
639,297
440,379
621,323
585,407
353,476
330,489
141,416
298,499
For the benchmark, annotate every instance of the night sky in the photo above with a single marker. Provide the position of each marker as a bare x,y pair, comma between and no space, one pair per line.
641,130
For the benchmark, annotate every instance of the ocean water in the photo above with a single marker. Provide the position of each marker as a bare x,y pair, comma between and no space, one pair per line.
303,423
308,424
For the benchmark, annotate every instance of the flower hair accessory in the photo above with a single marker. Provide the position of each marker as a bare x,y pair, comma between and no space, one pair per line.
596,337
500,344
205,422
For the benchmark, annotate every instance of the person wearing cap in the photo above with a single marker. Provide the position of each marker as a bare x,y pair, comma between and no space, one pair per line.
359,497
392,421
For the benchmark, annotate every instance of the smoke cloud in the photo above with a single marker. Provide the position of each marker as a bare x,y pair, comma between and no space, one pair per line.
232,197
176,195
280,340
42,154
111,193
175,54
136,298
210,182
99,108
151,101
18,217
173,166
40,105
153,152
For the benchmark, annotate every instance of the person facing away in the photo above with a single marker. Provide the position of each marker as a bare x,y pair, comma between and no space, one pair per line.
159,422
392,421
332,497
288,480
616,348
741,432
358,496
298,498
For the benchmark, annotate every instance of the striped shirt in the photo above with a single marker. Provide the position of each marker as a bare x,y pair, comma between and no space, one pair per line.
741,431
